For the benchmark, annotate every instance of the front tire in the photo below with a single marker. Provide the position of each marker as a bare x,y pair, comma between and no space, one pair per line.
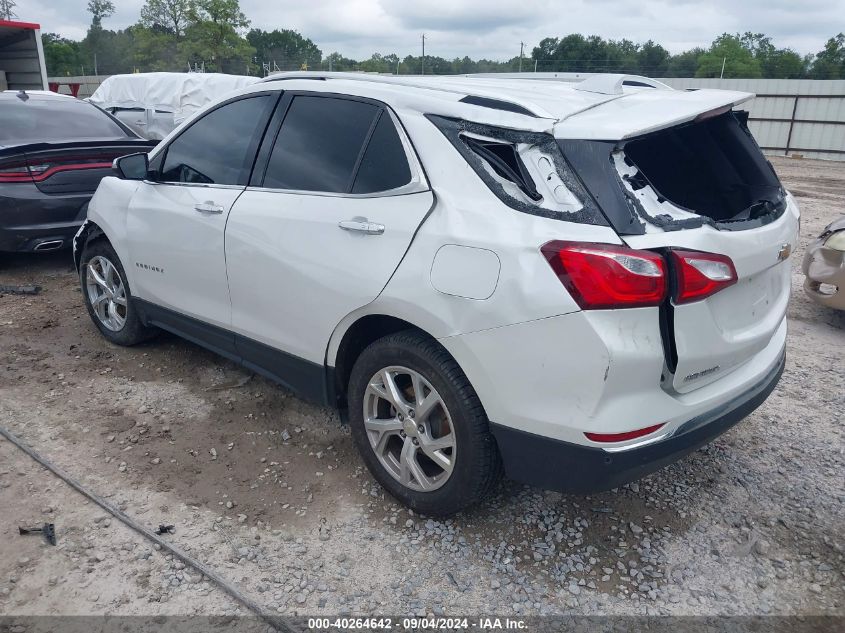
107,296
420,426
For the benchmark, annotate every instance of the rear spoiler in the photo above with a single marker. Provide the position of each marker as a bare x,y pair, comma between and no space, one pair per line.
137,144
645,111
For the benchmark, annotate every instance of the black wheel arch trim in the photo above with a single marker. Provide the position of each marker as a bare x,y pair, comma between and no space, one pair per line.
305,378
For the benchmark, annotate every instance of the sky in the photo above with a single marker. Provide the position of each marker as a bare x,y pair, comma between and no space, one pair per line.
493,29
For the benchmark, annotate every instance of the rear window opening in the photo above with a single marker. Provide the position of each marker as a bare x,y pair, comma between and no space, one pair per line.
712,168
504,159
524,169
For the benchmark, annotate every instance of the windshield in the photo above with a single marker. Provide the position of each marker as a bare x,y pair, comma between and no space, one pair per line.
50,120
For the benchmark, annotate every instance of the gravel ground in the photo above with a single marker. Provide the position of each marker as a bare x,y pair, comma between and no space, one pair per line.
269,490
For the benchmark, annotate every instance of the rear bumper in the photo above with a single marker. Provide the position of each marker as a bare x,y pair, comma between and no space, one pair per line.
567,467
29,217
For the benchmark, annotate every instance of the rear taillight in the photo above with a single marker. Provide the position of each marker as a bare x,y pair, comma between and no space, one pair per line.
15,172
46,167
700,275
601,276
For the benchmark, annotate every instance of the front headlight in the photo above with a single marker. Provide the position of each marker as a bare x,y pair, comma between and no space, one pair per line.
836,241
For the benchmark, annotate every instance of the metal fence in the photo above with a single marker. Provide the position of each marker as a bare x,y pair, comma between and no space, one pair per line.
787,117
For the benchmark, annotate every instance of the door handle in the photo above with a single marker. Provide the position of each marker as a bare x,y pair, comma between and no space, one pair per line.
362,225
208,207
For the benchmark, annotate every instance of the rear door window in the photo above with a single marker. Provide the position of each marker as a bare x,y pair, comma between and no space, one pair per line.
319,144
220,147
385,164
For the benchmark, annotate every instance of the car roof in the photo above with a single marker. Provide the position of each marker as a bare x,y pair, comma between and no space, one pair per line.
528,101
540,97
42,95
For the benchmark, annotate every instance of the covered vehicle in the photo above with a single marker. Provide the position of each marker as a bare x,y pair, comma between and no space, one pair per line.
54,150
153,104
824,266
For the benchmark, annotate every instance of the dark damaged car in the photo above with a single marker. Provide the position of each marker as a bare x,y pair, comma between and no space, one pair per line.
54,150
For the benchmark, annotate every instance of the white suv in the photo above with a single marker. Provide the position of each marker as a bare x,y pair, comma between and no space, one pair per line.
576,281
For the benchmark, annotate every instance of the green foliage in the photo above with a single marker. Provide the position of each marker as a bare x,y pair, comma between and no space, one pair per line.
830,61
212,36
284,49
62,56
337,62
684,64
380,63
100,9
734,54
171,16
177,35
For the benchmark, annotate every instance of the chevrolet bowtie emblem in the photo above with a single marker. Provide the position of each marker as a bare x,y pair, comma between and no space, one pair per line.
784,252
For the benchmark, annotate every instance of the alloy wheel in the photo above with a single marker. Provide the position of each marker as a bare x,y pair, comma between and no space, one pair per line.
106,293
409,428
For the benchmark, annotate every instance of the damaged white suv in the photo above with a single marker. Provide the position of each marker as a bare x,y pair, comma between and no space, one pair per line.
575,281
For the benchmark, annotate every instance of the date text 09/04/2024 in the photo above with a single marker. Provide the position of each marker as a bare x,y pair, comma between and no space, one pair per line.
415,624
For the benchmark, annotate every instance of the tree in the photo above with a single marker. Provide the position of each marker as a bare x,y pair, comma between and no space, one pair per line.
337,62
777,63
7,11
284,49
684,64
92,44
99,10
379,64
213,37
61,56
830,61
730,51
171,15
653,60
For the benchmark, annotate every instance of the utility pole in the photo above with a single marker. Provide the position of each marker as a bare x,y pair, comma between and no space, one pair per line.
422,61
521,44
722,74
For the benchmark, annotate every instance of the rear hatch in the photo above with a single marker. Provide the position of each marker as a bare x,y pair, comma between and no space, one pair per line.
700,185
706,339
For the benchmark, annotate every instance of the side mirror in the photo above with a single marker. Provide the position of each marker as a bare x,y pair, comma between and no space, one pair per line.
132,167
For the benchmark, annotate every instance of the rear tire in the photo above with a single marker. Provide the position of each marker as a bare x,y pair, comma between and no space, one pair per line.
107,296
420,426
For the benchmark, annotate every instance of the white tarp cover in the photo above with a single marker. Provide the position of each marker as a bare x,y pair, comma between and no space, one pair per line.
180,94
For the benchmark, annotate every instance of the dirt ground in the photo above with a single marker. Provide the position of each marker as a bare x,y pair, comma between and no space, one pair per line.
269,490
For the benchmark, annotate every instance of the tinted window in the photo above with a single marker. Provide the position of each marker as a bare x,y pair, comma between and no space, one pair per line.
55,119
384,165
319,143
218,148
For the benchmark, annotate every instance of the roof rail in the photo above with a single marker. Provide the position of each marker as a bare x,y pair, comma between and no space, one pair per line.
603,83
609,84
316,74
